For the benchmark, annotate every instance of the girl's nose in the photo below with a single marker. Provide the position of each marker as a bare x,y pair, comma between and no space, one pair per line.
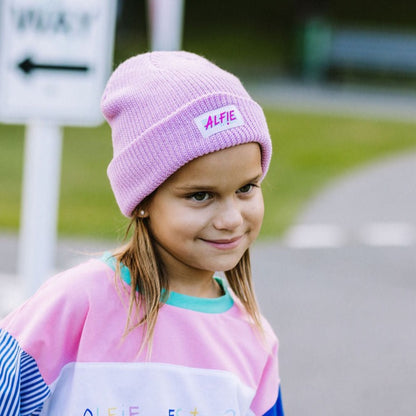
228,216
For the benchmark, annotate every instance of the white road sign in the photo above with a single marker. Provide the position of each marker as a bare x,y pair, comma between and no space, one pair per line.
55,57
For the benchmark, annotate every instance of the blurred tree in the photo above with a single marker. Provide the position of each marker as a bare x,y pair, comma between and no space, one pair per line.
397,13
275,17
262,36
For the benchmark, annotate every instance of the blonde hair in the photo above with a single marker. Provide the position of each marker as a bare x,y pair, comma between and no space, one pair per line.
150,286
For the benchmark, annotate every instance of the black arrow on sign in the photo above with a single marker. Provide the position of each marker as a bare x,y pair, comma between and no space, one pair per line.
27,66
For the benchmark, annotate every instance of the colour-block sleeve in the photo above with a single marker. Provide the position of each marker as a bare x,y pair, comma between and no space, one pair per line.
277,409
36,341
22,388
267,401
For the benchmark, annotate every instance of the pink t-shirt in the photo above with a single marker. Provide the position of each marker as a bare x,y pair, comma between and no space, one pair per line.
63,353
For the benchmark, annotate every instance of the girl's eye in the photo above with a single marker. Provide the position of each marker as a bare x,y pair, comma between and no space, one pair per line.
200,196
246,188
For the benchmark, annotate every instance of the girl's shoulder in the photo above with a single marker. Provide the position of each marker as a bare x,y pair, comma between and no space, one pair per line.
87,279
71,290
83,275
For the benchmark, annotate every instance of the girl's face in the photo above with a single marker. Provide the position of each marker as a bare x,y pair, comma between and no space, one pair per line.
205,216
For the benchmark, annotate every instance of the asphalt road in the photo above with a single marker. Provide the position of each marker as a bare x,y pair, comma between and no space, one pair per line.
345,318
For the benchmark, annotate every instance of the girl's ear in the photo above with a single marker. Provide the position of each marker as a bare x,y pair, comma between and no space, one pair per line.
143,214
142,210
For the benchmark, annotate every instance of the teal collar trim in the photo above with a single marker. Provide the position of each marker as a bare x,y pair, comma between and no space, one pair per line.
108,259
193,303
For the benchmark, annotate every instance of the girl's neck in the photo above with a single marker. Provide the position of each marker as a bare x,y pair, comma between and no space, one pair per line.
202,288
188,280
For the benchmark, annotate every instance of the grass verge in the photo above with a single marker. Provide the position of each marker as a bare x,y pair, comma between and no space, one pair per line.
309,152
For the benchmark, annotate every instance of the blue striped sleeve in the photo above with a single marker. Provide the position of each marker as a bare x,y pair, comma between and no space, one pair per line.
22,388
277,409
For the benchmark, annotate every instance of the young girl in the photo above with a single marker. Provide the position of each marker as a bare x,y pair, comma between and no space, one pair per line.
148,329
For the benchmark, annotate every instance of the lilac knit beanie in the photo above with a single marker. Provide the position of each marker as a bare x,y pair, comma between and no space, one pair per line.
168,108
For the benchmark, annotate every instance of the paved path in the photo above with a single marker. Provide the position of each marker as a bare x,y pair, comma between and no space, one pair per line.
344,311
374,205
339,99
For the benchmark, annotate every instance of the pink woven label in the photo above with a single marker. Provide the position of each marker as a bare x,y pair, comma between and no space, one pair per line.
221,119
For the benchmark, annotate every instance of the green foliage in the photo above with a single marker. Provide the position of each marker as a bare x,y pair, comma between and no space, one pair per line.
260,36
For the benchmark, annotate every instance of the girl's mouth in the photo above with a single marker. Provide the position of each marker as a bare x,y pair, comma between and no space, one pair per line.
225,243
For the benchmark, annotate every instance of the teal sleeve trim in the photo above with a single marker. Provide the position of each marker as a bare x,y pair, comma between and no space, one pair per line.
205,305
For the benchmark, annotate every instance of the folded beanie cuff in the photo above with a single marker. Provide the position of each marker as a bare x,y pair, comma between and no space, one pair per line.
135,172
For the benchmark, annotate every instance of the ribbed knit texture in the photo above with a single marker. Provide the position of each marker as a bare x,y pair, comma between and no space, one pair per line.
151,102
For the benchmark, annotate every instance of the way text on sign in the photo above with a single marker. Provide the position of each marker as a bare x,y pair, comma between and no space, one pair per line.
52,21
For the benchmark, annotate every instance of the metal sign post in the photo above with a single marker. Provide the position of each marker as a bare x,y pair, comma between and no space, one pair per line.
166,22
55,58
43,146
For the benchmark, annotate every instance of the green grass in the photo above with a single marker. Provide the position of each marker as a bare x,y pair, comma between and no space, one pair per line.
309,152
11,161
